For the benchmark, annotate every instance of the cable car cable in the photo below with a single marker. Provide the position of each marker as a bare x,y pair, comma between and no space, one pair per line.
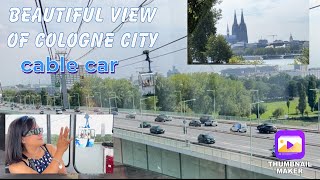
153,57
314,7
115,30
44,29
79,28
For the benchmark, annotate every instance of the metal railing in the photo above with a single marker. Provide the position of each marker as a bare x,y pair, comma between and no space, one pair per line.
231,157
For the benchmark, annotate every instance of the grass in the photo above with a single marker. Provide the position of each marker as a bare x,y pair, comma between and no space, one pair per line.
272,106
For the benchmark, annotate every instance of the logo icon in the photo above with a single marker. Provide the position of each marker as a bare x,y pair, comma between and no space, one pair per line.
290,144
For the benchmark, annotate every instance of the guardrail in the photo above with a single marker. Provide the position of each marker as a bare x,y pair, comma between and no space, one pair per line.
221,155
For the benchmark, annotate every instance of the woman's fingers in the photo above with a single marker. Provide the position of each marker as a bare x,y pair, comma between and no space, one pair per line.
61,132
66,132
70,140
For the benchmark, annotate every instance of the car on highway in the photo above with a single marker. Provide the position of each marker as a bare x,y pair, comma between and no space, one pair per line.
205,118
41,112
206,138
210,123
195,123
96,110
239,127
264,124
114,113
157,130
131,115
77,110
145,125
163,118
58,111
270,128
273,151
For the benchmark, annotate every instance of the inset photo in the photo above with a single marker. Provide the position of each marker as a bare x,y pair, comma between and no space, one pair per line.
93,139
248,32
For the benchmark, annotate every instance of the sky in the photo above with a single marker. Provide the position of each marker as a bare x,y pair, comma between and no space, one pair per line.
171,23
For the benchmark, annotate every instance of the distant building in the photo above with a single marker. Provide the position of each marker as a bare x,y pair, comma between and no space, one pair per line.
239,31
71,78
173,71
248,71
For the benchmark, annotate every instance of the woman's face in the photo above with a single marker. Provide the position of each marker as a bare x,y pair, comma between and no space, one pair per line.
34,137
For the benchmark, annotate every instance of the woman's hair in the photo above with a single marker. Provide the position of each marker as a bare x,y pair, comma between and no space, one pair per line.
17,129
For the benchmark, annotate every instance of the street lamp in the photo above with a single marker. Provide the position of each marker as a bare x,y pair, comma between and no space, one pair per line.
251,127
318,90
214,101
115,97
134,108
255,90
142,99
185,123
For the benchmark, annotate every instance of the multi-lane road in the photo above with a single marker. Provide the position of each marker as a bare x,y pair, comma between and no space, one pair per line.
261,144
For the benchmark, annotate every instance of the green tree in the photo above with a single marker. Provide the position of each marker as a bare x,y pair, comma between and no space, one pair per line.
278,112
44,96
75,93
292,89
312,95
202,18
288,105
302,98
219,50
262,109
304,59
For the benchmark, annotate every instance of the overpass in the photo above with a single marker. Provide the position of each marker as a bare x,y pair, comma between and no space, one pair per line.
229,157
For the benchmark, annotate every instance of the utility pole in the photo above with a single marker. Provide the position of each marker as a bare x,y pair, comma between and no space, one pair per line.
63,84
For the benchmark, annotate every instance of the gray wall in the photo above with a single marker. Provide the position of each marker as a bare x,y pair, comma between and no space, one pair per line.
177,165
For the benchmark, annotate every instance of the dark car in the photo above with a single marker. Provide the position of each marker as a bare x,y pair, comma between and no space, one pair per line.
145,125
77,109
206,138
273,151
195,123
268,129
163,118
205,118
41,112
156,130
131,115
114,113
264,124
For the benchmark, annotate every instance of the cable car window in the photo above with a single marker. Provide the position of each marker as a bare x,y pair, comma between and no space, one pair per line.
92,133
56,122
147,84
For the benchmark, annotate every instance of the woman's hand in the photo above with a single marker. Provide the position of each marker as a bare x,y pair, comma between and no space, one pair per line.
63,141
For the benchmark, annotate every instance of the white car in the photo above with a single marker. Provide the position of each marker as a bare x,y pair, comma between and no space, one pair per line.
58,111
239,127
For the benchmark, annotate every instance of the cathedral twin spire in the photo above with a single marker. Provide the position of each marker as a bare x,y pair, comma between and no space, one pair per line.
239,30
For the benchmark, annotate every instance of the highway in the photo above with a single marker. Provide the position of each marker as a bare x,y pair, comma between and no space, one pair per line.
233,141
